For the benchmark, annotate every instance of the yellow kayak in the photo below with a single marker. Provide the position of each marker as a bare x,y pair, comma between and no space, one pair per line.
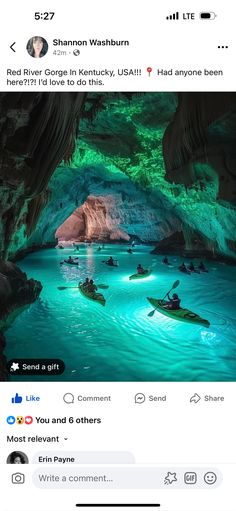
95,297
179,314
140,275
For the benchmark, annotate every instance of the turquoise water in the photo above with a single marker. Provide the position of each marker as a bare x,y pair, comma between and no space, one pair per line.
119,342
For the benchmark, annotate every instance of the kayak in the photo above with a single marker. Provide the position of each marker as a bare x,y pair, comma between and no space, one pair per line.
180,314
111,265
95,297
186,272
70,264
140,275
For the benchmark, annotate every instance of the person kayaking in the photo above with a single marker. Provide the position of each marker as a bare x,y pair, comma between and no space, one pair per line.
174,302
140,269
75,246
91,287
99,249
70,260
183,268
202,267
165,260
130,251
191,267
85,283
110,261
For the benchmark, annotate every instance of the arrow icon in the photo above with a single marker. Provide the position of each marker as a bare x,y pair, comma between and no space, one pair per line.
13,44
195,398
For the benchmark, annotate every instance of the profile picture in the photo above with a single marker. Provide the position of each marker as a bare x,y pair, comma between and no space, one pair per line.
37,47
17,458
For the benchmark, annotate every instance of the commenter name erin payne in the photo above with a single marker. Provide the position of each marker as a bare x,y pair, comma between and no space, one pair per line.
91,42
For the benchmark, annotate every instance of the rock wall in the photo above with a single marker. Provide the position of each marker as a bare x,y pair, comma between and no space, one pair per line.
37,130
15,291
203,129
3,371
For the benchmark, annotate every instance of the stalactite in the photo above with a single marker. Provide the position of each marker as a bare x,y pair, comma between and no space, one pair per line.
187,132
52,130
35,207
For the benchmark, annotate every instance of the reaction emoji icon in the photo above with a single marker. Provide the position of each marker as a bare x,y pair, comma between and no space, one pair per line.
11,420
28,419
20,419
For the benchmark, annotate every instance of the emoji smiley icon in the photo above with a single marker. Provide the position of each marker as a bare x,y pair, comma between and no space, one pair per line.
210,478
19,419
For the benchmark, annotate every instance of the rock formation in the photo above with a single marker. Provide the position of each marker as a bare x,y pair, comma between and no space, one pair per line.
37,130
15,290
3,371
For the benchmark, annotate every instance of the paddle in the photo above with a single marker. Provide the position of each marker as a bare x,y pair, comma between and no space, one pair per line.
176,283
100,286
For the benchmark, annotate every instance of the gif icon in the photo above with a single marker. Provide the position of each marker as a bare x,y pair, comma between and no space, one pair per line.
190,477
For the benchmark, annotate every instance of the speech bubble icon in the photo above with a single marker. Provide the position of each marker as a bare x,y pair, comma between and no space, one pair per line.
68,398
139,398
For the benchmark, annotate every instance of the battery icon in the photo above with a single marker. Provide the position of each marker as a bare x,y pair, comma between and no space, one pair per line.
207,15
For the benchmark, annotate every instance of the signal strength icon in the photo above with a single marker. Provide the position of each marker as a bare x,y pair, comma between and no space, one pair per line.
174,16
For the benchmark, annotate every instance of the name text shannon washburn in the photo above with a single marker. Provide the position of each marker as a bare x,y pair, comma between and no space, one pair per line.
91,42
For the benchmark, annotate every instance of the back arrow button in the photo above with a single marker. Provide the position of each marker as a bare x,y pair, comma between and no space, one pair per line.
13,44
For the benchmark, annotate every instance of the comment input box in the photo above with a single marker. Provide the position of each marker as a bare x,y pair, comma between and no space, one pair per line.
126,478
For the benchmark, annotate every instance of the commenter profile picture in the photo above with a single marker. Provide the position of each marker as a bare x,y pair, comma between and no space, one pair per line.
17,457
37,47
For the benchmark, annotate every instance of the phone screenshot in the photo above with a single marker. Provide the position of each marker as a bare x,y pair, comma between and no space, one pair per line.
117,256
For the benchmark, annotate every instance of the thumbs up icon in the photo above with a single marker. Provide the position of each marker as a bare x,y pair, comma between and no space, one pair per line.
16,399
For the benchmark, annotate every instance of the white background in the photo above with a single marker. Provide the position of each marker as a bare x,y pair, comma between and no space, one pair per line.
166,434
154,41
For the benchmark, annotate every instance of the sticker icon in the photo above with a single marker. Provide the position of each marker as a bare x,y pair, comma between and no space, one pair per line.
14,366
170,478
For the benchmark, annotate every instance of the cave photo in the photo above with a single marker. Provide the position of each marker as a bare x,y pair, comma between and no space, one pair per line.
117,235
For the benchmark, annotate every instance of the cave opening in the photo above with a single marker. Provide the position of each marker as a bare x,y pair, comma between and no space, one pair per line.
97,220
